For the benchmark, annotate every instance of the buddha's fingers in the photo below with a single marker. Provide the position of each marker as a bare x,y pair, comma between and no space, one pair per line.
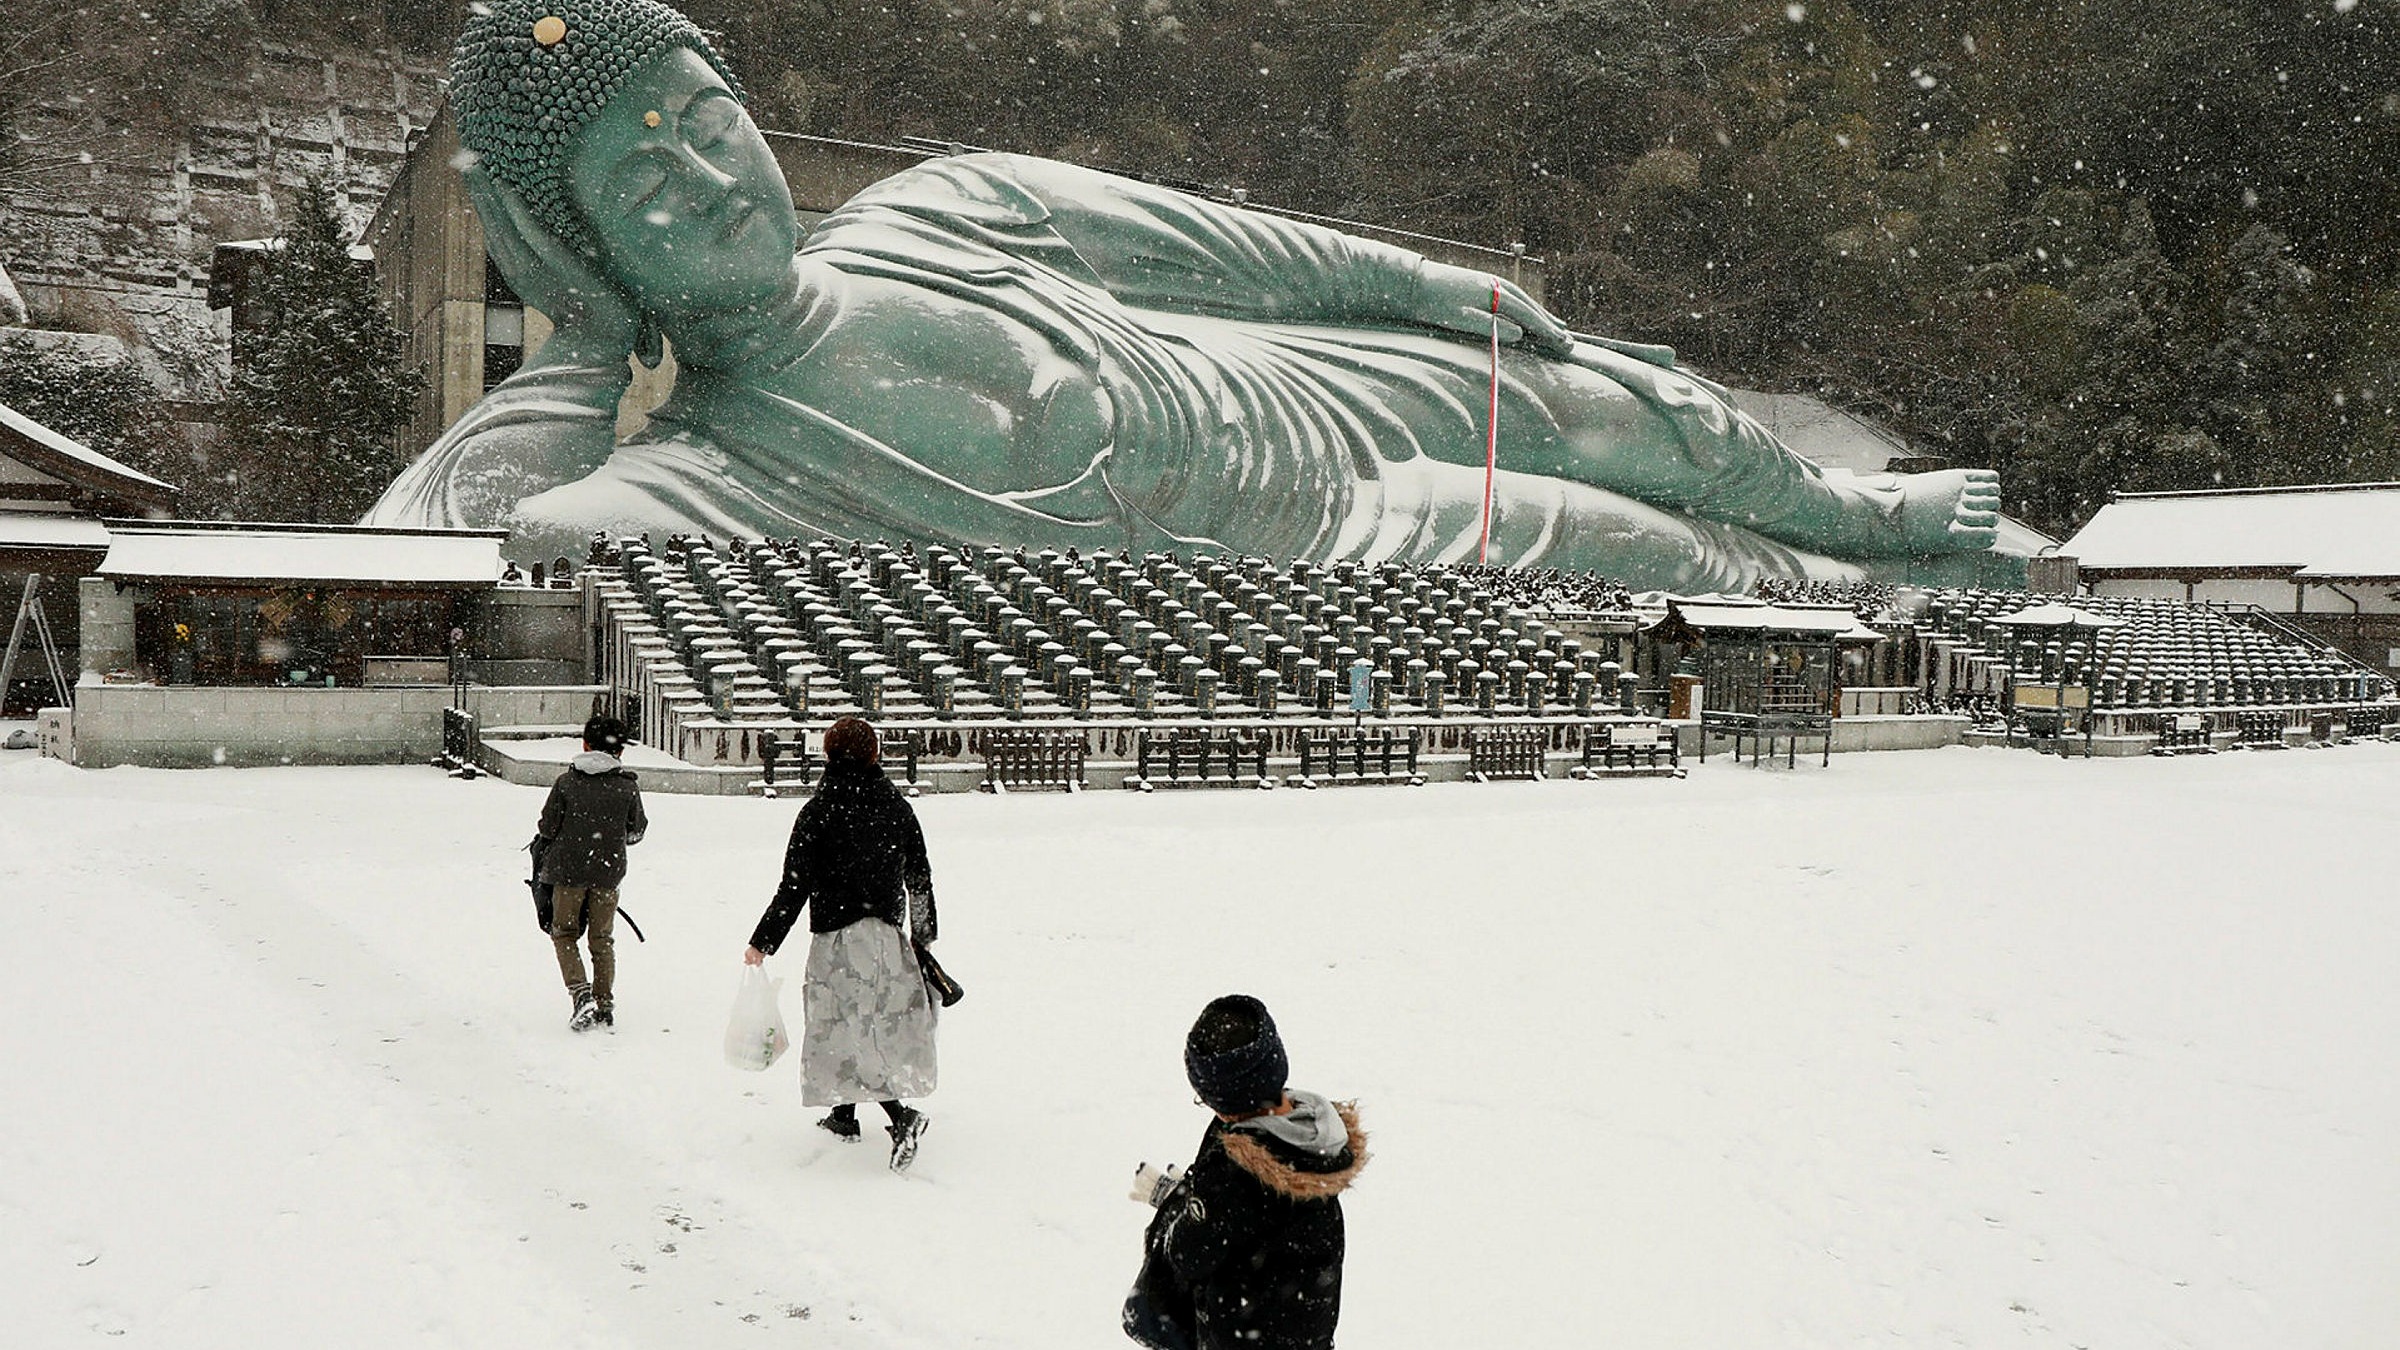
1537,327
1472,320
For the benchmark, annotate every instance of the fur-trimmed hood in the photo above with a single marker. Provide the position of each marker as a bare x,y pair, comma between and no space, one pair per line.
595,763
1303,1155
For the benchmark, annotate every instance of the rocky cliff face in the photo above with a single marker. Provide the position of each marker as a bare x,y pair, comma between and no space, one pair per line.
119,243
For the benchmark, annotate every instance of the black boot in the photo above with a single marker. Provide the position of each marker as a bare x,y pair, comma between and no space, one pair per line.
841,1123
586,1010
906,1129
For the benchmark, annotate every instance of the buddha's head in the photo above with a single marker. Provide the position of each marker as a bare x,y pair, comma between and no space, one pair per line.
623,133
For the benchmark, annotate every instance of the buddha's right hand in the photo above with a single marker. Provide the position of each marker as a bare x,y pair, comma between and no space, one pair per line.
591,313
1464,300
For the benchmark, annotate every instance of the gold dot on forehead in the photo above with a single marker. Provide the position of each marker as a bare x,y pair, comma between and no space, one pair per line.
549,30
650,119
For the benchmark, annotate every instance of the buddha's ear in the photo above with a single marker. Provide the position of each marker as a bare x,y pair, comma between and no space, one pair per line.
544,270
506,225
649,344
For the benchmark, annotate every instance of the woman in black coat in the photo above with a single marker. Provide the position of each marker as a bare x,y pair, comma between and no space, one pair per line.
857,864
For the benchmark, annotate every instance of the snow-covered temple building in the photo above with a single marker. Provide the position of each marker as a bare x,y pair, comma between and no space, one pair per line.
210,642
2325,558
55,493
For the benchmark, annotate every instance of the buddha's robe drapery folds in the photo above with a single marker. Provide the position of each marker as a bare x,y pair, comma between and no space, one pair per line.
1258,387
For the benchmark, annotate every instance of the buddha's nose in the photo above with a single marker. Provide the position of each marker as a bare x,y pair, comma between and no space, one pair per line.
716,180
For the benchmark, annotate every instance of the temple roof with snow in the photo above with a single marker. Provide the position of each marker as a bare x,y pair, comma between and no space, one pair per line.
2327,532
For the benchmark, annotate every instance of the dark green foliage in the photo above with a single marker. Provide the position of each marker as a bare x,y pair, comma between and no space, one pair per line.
318,383
102,403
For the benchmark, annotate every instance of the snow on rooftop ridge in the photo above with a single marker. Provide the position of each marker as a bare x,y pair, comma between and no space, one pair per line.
60,444
2340,530
51,529
291,527
2289,488
242,551
358,252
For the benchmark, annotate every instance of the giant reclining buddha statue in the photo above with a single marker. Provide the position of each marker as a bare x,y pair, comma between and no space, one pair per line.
1007,350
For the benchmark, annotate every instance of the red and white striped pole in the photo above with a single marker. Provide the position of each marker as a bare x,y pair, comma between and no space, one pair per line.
1491,435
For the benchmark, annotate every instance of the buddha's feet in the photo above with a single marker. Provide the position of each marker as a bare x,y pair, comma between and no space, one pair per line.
1950,511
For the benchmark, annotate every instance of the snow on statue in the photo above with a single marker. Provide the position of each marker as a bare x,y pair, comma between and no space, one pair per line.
1000,349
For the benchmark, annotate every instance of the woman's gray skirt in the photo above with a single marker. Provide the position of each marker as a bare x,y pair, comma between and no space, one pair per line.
868,1033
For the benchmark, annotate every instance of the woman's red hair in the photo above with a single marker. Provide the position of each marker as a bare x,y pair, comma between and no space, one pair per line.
852,740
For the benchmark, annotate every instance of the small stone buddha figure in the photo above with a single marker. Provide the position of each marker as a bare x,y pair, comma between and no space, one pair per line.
1007,350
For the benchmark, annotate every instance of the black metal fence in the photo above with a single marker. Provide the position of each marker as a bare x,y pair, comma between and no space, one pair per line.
1025,758
1635,747
1506,752
1384,755
1192,757
460,743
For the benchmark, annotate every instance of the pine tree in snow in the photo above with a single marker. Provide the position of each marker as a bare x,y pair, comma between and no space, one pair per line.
318,385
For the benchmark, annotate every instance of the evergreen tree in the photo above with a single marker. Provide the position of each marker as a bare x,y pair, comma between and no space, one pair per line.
318,383
1506,117
2260,386
103,403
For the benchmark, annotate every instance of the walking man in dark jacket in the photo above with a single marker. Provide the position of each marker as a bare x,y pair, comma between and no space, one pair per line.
1245,1252
594,813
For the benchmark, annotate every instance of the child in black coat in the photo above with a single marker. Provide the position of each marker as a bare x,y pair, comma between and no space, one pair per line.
1245,1252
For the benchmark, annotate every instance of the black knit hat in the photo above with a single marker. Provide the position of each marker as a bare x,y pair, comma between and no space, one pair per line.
604,732
1234,1057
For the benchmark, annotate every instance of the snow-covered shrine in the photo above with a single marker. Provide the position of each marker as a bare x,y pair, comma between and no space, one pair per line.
55,492
222,643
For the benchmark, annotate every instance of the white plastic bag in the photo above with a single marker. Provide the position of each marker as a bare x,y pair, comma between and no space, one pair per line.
754,1036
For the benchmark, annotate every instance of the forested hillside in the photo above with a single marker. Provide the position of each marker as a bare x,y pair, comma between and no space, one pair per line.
2099,244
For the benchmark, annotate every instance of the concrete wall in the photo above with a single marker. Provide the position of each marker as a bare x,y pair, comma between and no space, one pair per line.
2144,588
429,266
2277,596
106,614
527,637
2350,597
187,727
518,623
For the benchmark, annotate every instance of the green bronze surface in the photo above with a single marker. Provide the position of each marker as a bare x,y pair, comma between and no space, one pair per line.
1000,349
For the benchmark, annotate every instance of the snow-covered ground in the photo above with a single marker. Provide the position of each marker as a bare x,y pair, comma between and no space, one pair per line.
1951,1048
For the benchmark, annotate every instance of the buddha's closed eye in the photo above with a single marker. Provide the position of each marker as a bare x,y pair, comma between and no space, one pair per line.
640,183
709,121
